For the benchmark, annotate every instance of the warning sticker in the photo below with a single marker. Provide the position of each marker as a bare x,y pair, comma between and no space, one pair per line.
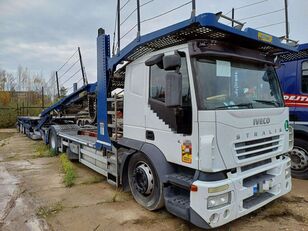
187,158
187,153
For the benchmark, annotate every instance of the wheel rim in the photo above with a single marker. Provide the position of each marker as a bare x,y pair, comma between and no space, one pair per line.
143,180
299,158
53,142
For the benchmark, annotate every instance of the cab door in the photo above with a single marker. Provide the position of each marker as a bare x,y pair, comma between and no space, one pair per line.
302,103
174,130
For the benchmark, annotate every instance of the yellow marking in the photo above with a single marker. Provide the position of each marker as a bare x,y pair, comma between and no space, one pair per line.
265,37
187,158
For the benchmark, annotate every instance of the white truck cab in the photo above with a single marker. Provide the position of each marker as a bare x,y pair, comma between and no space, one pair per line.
229,122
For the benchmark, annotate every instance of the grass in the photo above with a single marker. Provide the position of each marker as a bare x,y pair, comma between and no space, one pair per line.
44,212
119,196
42,150
68,169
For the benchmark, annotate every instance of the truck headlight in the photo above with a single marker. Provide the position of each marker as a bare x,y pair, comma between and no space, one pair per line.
218,201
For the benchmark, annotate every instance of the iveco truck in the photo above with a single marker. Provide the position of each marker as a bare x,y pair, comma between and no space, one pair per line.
200,126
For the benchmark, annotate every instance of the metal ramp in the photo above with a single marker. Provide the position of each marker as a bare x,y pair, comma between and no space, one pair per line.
71,98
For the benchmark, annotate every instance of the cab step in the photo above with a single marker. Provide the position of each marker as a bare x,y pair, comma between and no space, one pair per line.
181,180
178,205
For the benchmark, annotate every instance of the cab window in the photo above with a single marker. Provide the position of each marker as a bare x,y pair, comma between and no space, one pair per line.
305,77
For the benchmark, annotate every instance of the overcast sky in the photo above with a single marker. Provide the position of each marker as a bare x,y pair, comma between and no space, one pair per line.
41,34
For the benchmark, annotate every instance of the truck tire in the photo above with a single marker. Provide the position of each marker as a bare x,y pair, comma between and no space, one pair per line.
144,182
299,159
53,142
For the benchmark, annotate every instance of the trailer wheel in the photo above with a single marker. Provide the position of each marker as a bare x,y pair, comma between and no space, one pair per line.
299,159
144,182
53,142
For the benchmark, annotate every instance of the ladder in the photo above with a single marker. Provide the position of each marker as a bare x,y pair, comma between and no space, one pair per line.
115,116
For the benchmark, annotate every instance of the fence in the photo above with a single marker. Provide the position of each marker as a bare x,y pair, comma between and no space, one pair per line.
21,104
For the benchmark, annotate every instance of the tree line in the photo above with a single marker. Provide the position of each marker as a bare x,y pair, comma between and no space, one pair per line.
26,80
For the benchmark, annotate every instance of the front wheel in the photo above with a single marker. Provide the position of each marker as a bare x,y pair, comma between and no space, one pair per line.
299,159
144,182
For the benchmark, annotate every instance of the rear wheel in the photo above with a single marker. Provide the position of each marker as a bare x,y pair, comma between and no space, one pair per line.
53,142
144,182
299,159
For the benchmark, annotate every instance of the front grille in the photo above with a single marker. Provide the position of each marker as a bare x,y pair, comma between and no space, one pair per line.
255,165
252,148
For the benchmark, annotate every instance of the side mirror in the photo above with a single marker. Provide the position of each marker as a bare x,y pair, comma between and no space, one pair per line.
172,62
173,97
156,59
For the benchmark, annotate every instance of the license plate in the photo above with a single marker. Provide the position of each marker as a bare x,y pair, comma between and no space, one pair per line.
255,188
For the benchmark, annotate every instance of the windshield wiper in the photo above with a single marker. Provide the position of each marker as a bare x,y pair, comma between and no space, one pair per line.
275,103
248,105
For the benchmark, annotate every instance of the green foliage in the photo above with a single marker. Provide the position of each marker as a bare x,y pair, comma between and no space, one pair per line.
29,104
7,118
44,212
9,115
69,172
52,152
42,150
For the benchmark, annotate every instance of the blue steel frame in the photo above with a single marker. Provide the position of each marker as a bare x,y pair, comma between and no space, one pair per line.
204,20
71,98
103,56
106,64
303,47
90,88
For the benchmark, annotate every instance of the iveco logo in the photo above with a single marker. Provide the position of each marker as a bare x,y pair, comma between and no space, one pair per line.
261,121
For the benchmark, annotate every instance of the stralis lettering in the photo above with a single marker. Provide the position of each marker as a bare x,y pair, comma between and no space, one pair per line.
257,134
261,121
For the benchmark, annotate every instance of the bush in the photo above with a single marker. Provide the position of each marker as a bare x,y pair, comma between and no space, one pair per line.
7,118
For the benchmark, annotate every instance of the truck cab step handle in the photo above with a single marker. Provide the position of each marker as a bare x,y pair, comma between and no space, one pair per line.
149,135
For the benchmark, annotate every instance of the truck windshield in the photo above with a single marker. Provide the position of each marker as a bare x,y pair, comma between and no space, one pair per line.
228,85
